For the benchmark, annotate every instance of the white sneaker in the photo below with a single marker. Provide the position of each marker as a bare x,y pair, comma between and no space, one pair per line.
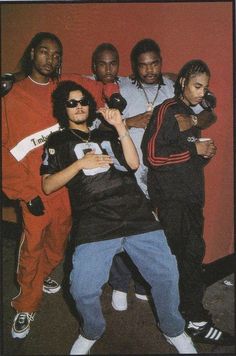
119,300
141,296
182,343
82,346
21,324
50,286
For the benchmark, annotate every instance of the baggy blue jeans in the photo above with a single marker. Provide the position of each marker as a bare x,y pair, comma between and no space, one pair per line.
152,256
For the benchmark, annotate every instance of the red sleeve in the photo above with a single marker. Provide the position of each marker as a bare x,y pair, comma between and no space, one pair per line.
17,183
93,86
98,90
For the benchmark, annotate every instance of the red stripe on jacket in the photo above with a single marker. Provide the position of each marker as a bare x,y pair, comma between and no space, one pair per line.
154,159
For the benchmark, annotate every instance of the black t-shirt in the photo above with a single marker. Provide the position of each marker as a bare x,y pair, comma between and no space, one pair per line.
106,202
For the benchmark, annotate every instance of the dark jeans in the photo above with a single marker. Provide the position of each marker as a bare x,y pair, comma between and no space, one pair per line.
183,226
123,271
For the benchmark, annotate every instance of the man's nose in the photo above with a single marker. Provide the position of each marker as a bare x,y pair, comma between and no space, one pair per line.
108,68
202,92
79,105
50,58
149,68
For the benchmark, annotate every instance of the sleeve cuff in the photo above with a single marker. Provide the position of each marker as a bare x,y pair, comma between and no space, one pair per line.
192,148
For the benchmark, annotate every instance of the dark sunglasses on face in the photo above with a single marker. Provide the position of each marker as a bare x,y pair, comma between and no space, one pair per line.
73,103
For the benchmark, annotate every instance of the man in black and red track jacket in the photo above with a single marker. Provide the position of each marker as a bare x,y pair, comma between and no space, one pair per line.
176,160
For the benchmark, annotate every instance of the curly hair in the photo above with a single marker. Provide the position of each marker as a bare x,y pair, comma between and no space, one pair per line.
26,63
143,46
61,94
189,70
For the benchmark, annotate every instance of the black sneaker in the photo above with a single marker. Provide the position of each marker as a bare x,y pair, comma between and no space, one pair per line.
50,286
21,324
208,334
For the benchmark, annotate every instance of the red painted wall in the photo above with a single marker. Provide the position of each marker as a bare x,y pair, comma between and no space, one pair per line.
184,31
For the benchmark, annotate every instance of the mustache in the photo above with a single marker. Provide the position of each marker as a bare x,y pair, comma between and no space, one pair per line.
153,75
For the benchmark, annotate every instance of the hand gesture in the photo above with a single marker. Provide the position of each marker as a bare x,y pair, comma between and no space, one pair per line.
93,160
184,121
207,149
112,116
140,120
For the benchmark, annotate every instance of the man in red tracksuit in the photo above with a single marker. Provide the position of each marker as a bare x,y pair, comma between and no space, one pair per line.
27,121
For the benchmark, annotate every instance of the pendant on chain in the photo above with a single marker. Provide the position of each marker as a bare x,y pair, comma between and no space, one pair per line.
149,106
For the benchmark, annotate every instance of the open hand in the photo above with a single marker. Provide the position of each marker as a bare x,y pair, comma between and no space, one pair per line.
93,160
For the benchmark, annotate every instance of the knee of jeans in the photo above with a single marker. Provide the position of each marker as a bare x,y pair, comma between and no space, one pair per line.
83,291
77,291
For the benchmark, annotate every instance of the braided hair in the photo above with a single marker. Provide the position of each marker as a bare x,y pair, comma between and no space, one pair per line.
190,69
26,63
143,46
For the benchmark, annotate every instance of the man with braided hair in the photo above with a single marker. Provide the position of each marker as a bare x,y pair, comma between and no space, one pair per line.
175,161
27,121
146,88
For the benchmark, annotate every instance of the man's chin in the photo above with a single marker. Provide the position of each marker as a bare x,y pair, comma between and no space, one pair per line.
151,81
108,80
81,121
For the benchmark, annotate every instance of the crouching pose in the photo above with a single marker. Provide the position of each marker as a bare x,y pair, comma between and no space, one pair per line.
110,215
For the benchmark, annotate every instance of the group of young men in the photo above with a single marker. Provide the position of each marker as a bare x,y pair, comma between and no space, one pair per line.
123,173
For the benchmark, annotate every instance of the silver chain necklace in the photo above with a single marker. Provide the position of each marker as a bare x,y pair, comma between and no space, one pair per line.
81,138
34,81
150,105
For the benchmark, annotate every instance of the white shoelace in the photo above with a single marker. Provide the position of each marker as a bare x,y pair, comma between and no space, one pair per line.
21,317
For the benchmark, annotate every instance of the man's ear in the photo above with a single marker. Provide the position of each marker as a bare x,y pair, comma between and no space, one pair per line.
182,82
94,68
32,54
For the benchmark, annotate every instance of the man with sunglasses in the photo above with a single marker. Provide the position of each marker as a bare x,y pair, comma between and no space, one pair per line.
110,214
27,121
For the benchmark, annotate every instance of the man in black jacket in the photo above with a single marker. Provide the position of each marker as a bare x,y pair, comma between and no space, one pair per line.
175,161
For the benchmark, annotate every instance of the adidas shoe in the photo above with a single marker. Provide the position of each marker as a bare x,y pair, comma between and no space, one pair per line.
50,286
21,324
82,346
182,343
119,300
208,333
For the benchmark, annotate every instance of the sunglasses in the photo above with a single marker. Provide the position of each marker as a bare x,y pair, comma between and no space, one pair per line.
73,103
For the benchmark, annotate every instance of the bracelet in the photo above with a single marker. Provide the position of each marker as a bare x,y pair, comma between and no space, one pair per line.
194,120
126,134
